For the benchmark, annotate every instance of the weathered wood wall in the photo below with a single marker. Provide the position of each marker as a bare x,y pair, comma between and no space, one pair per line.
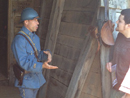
92,86
77,15
3,36
46,7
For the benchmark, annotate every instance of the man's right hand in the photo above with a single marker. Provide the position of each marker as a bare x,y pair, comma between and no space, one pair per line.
108,66
48,66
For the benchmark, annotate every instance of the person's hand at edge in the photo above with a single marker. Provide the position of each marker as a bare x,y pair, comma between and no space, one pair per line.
48,66
109,66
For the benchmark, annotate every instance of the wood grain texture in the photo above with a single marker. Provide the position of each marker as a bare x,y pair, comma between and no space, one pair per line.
92,84
62,76
64,63
82,68
56,89
50,43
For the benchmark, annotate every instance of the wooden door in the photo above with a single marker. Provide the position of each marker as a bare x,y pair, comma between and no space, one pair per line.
15,8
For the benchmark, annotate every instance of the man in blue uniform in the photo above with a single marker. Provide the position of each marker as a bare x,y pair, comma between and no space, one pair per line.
25,55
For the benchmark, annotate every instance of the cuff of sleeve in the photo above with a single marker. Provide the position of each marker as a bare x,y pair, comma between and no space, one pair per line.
37,66
42,57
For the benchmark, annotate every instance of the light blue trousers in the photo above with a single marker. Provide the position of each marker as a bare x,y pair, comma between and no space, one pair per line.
28,93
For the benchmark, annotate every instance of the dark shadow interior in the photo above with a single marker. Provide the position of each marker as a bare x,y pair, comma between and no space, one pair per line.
3,37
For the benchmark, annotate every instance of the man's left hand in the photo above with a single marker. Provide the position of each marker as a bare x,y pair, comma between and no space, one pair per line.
49,56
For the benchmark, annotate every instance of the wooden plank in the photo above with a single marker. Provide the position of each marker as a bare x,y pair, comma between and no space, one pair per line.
44,25
106,79
16,30
17,23
73,29
43,36
61,76
70,4
64,63
18,6
54,24
116,94
43,43
10,38
87,4
57,89
92,84
44,21
49,3
84,17
80,5
37,4
88,96
67,52
43,90
70,41
42,31
82,68
41,20
47,12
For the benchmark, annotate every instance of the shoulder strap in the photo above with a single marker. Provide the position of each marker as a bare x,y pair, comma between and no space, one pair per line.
34,48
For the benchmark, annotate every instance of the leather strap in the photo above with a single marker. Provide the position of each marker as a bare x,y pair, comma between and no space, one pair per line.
34,48
30,40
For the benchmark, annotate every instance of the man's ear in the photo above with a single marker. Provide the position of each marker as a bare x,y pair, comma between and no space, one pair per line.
25,22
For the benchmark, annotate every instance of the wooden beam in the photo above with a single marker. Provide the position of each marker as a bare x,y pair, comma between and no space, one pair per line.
10,39
42,17
54,24
106,81
50,43
92,84
43,89
82,68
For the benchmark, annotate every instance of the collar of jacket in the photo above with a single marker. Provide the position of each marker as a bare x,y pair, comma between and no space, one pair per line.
31,34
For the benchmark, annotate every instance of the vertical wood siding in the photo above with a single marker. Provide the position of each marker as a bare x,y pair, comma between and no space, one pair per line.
76,17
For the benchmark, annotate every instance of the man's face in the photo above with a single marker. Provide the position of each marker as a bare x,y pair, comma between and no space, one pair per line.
32,25
120,24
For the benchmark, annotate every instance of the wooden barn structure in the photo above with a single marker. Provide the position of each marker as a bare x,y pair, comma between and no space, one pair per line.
64,29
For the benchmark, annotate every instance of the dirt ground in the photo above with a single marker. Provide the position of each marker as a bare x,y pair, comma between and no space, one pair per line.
9,92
